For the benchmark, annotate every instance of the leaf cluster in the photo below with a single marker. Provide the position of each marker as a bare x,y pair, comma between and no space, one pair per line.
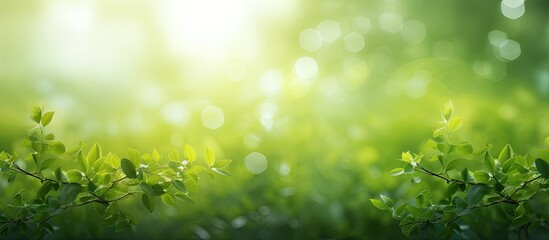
94,177
473,181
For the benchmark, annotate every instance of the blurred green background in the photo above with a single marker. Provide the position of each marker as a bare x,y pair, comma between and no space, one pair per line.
328,92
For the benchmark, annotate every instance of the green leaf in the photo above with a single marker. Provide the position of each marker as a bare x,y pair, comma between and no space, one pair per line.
489,162
168,199
74,175
481,176
386,200
476,193
44,189
36,114
506,153
94,153
47,163
155,156
135,156
519,221
379,204
69,192
543,167
210,157
407,157
408,168
57,147
191,184
185,198
221,171
447,110
465,174
148,202
464,148
439,132
222,163
456,163
128,168
454,124
189,153
396,171
147,189
82,161
46,118
58,174
179,185
449,192
173,155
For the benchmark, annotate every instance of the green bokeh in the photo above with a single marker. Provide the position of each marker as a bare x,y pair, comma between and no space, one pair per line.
330,92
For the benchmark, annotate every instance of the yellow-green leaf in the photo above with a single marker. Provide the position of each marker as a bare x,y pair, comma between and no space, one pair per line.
168,199
189,153
155,156
454,124
379,204
46,118
210,157
407,157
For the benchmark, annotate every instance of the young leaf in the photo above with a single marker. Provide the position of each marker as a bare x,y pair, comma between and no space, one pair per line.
189,153
82,161
386,200
69,192
168,199
506,153
221,171
46,118
407,157
57,147
74,175
36,114
489,162
543,167
94,153
379,204
396,171
148,202
128,168
210,157
481,176
185,198
155,156
222,163
448,110
135,156
454,124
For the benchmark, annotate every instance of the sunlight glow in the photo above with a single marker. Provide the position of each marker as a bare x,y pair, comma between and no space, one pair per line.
205,29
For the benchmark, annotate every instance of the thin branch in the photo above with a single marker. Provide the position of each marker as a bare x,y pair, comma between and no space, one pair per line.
525,184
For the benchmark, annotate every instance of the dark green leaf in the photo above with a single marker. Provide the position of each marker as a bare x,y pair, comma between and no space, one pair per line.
44,189
476,193
69,192
465,174
58,174
147,189
128,168
46,118
449,192
47,163
149,202
543,167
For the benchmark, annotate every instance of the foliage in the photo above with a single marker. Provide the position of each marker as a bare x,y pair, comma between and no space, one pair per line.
512,182
94,178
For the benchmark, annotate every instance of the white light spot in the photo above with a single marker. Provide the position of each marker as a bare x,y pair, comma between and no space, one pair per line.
310,40
416,87
496,37
443,50
256,162
175,113
390,22
151,95
271,82
239,222
509,50
413,32
237,71
212,117
329,30
512,9
284,169
495,70
306,67
354,42
362,25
